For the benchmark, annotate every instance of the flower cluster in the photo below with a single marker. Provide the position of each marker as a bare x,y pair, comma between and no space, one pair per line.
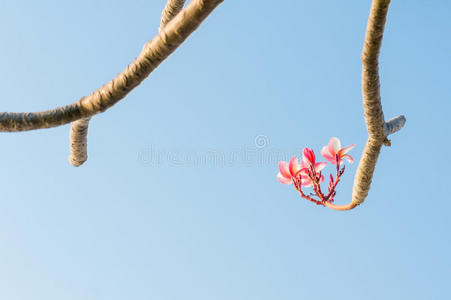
308,172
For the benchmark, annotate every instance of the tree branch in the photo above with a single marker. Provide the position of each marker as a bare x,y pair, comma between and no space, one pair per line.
153,53
79,131
378,129
79,142
172,8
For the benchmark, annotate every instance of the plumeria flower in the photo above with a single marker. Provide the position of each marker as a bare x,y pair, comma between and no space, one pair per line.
333,149
290,170
308,157
308,160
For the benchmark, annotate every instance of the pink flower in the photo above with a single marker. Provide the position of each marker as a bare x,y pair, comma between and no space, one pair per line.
292,169
334,149
309,159
288,170
308,156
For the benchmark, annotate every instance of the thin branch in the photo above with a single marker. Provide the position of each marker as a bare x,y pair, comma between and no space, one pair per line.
79,142
348,206
154,52
378,129
172,8
298,186
79,130
394,125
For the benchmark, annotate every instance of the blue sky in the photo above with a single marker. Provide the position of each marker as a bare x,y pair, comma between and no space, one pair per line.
177,201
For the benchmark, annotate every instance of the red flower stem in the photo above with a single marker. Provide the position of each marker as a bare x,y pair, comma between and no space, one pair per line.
337,180
317,202
324,200
297,185
348,206
318,192
315,181
338,164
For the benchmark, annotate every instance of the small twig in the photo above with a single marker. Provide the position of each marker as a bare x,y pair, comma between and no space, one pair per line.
335,182
315,182
392,126
79,142
298,185
171,9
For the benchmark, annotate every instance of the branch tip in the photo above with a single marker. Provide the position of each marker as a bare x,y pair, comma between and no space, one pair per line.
393,125
79,142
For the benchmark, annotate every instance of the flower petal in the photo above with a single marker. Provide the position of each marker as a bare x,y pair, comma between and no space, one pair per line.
306,181
304,163
345,150
294,166
283,179
320,166
309,155
303,172
325,153
334,146
348,158
284,170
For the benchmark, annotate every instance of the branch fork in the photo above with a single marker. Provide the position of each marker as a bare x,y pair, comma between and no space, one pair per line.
315,178
175,27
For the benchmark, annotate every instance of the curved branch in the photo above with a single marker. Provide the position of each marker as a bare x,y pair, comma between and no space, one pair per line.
378,129
153,53
79,130
348,206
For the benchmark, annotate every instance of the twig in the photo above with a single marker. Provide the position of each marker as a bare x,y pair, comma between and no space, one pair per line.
79,142
298,186
172,8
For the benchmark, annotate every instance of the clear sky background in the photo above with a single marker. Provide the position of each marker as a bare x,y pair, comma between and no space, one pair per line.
177,201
